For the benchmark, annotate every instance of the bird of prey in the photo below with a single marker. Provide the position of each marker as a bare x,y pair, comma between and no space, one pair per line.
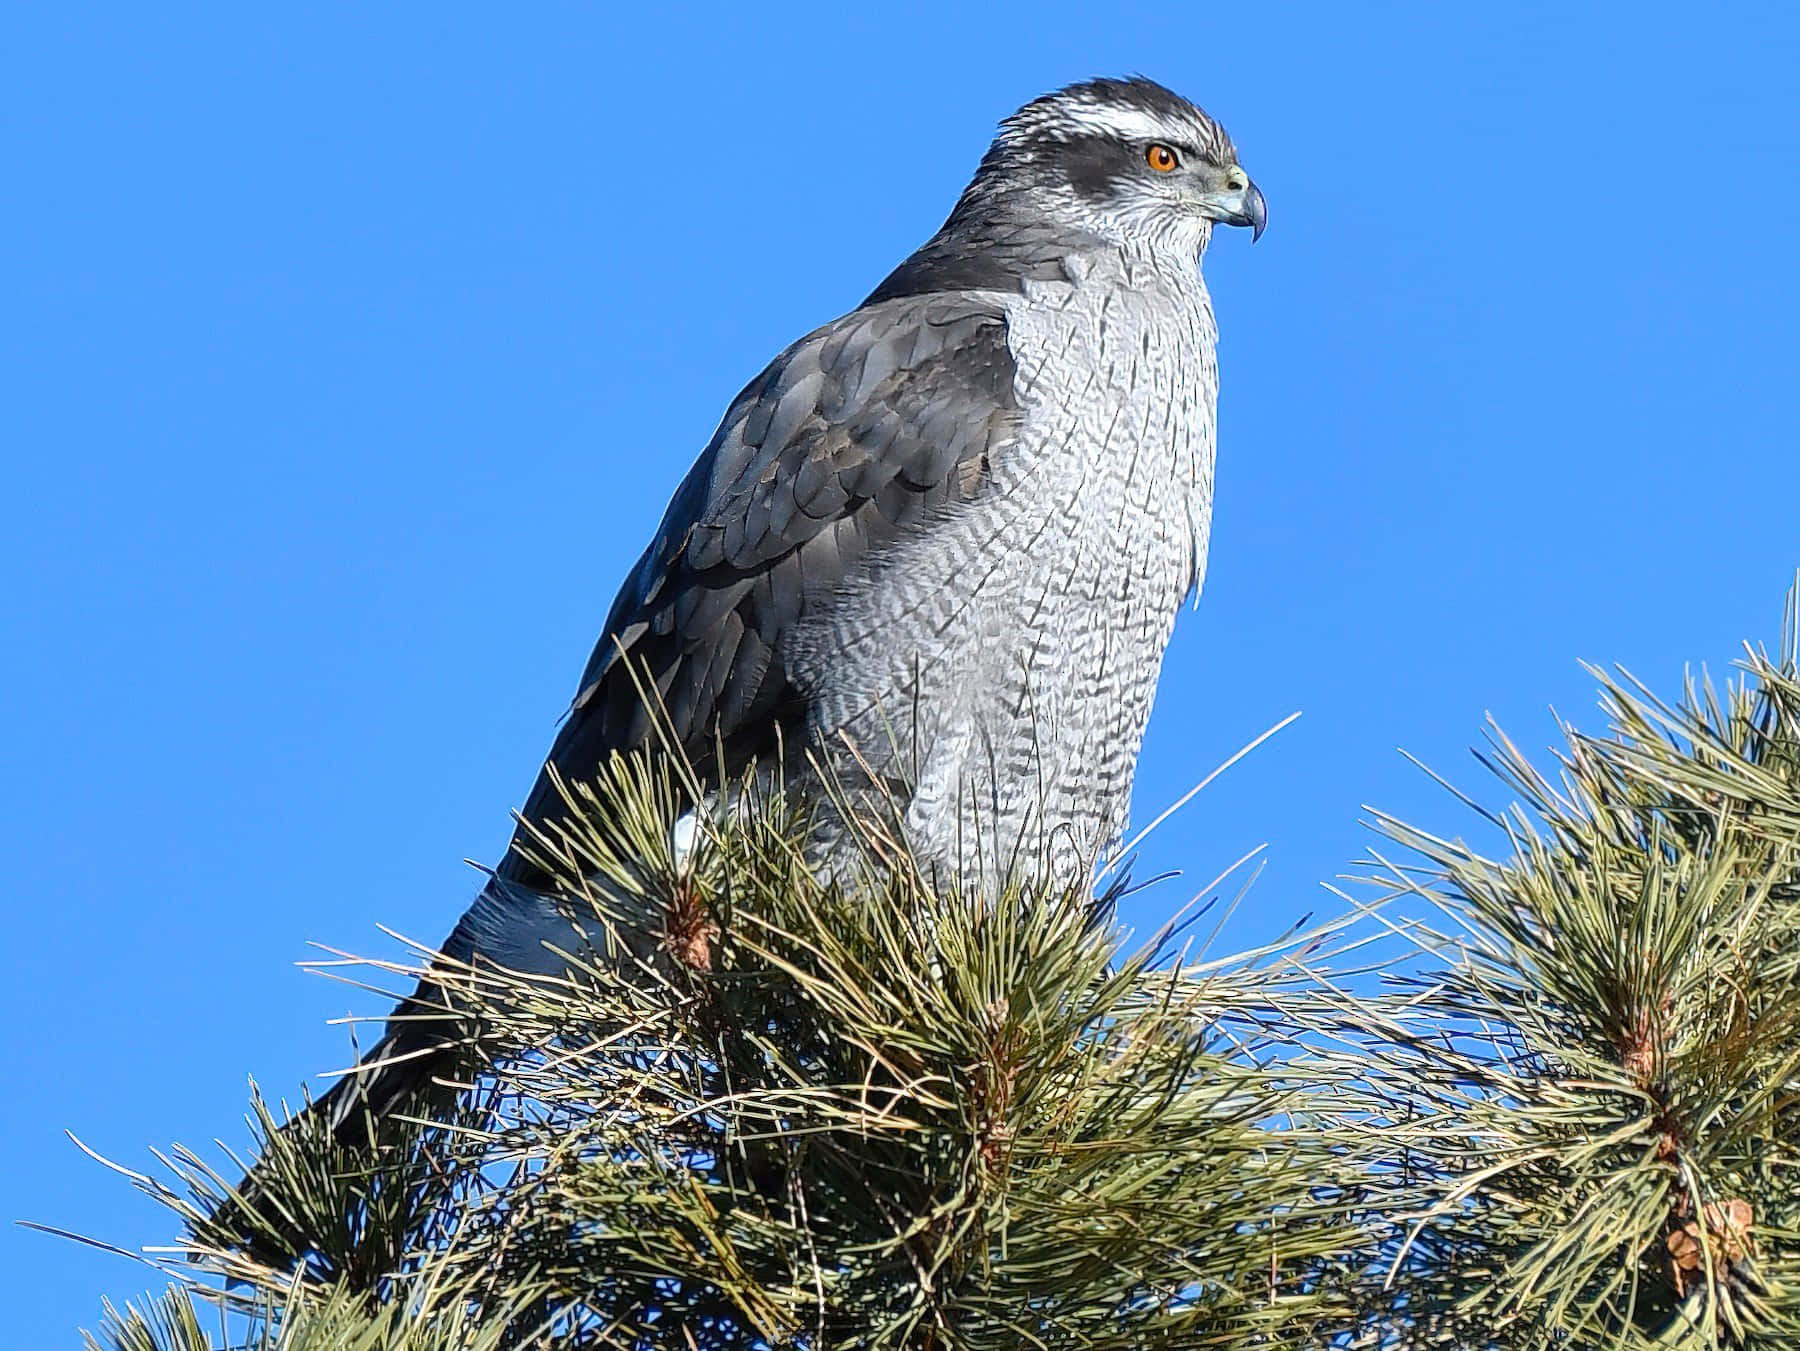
945,535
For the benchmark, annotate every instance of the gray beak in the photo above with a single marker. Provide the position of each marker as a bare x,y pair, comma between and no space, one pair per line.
1240,204
1256,212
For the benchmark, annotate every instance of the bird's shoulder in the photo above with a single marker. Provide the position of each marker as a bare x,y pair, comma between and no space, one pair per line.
889,398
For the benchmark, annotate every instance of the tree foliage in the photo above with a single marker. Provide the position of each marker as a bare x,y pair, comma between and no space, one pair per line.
1548,1098
1605,1082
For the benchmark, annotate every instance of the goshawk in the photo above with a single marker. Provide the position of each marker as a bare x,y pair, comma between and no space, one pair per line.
943,537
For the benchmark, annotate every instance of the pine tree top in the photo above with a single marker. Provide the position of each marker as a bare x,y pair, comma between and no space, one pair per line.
1542,1096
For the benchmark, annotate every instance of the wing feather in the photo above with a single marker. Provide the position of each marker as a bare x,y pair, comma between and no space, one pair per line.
852,436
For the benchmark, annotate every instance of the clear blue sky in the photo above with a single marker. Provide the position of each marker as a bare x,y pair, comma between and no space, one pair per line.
348,360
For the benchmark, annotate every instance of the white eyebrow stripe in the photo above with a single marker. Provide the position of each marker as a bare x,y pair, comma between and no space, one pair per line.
1133,124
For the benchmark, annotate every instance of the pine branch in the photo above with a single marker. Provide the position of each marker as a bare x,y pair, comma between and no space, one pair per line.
1606,1075
788,1111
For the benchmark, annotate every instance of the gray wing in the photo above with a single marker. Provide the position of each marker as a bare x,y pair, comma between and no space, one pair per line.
851,437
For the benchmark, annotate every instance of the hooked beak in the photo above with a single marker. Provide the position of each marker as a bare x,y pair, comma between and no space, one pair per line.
1240,203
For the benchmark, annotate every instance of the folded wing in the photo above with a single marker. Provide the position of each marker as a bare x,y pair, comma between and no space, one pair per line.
854,435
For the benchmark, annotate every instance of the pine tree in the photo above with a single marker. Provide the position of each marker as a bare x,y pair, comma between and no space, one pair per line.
1545,1099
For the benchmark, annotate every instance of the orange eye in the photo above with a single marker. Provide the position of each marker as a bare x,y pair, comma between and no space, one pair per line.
1161,158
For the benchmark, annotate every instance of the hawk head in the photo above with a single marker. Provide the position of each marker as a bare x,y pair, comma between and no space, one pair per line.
1125,159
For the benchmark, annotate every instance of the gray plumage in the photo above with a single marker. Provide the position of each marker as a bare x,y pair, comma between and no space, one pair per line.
951,528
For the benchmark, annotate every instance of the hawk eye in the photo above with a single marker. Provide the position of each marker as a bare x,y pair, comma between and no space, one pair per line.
1161,158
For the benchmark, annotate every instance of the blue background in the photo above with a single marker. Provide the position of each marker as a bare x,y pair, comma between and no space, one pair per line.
349,358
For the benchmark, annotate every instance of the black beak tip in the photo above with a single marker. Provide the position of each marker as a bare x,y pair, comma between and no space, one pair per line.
1258,213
